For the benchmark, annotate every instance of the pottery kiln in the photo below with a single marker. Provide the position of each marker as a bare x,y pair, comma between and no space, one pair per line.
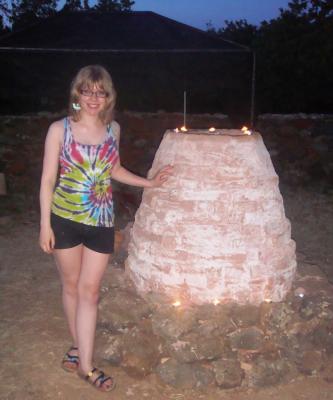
216,231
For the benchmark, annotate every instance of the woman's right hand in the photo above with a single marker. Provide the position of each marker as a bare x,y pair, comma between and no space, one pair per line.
46,239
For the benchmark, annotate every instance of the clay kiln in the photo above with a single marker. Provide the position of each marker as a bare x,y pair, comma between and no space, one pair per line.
216,231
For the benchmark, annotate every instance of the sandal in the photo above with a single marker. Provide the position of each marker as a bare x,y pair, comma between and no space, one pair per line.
97,379
70,363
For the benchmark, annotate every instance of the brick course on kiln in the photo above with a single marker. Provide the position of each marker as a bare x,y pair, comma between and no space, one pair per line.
216,231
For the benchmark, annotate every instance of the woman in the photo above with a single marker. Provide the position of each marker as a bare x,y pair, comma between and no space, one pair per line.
77,220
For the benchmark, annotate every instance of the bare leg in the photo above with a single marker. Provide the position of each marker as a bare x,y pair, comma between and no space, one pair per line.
69,265
93,266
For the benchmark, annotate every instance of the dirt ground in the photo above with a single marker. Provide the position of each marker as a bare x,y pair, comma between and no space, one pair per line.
34,337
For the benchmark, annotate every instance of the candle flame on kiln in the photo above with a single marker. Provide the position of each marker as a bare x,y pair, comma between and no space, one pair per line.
177,303
246,130
216,302
300,292
183,129
212,129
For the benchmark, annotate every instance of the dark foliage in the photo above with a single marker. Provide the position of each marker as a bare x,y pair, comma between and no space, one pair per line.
72,5
27,12
295,56
113,5
22,13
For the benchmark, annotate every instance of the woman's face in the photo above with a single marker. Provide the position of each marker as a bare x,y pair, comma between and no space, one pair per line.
92,100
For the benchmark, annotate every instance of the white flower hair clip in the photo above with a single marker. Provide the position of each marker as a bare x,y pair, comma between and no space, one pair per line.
76,106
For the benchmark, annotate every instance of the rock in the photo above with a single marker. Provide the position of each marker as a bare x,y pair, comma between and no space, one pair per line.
214,328
141,352
307,269
228,373
126,201
310,307
120,308
245,315
322,337
275,316
210,311
328,371
121,244
311,362
6,220
109,347
303,328
18,167
305,133
290,345
171,322
214,320
116,278
193,347
247,339
203,375
184,376
3,185
267,373
118,239
303,123
318,288
182,351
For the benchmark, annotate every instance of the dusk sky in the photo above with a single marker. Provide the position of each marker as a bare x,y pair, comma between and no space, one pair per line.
199,12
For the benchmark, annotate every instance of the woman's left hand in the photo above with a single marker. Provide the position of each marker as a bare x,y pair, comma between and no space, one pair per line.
161,176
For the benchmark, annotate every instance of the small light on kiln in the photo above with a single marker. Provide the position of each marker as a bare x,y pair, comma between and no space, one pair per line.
176,130
212,129
177,303
268,301
216,302
300,292
246,130
183,129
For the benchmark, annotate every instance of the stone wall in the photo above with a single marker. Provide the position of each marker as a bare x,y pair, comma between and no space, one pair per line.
300,145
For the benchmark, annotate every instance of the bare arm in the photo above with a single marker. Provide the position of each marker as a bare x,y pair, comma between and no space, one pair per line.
49,176
121,174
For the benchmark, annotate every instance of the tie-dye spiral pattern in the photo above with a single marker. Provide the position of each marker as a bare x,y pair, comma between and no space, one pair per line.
84,192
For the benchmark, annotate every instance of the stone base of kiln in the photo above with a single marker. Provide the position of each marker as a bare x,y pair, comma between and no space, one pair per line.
227,345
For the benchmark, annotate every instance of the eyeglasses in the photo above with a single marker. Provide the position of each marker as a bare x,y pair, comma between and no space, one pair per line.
90,93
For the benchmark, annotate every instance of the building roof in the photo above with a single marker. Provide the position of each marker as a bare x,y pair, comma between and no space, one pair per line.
115,31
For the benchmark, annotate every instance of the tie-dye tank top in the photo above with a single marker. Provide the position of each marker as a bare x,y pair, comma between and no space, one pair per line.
84,192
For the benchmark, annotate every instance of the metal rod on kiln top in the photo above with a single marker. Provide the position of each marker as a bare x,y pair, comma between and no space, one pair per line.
184,109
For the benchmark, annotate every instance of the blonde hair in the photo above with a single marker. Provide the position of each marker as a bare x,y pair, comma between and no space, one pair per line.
88,77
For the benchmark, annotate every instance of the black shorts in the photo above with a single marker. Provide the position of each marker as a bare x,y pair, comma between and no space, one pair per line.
69,234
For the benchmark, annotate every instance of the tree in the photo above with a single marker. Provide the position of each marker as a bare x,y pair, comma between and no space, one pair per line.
4,8
2,25
4,15
126,5
114,5
295,56
27,12
239,31
71,5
